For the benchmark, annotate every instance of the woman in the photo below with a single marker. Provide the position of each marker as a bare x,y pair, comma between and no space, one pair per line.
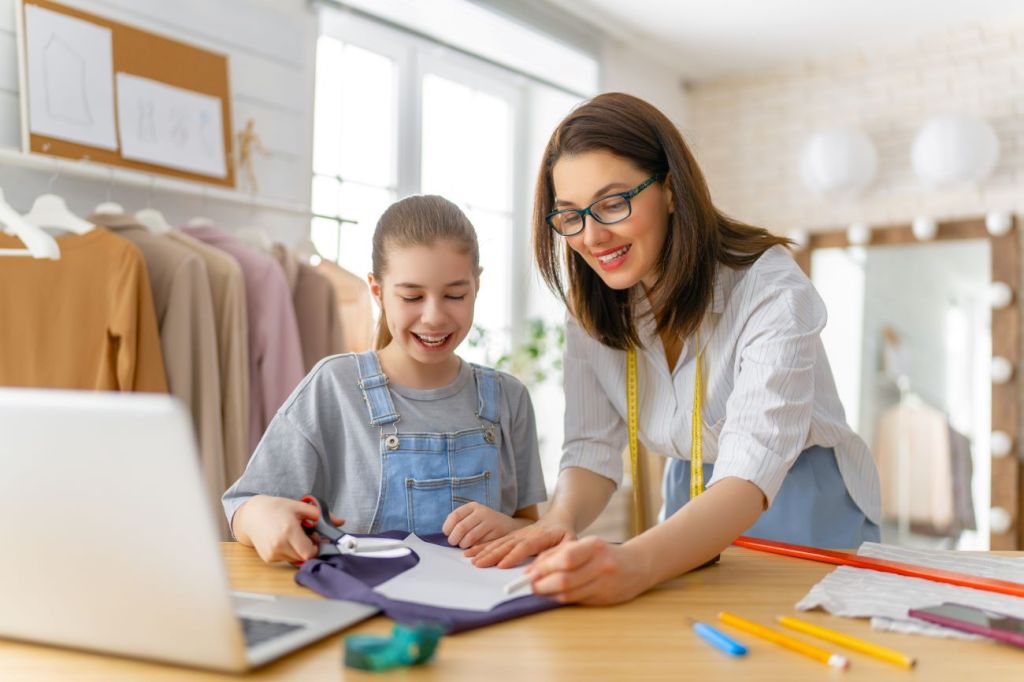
653,265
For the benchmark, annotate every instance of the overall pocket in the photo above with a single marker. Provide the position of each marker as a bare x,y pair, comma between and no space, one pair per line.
430,501
471,489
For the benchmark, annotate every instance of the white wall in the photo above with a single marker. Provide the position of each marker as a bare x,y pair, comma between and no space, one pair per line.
271,48
626,70
750,131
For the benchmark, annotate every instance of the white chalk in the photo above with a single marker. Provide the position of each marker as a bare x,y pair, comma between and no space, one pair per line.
518,583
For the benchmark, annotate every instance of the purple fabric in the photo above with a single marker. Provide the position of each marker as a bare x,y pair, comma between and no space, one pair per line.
353,577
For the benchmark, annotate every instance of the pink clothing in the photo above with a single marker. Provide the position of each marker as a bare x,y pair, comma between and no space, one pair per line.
275,352
920,434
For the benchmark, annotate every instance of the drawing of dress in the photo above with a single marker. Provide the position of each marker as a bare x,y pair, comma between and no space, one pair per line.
68,103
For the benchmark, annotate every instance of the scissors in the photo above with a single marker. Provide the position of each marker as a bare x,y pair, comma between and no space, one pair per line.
329,533
334,541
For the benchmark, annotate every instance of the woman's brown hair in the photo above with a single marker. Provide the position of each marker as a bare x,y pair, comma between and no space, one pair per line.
419,220
699,236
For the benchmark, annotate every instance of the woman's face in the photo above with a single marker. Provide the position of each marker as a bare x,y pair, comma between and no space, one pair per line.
626,252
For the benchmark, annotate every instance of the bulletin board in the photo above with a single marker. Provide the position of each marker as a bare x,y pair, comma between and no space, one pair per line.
167,96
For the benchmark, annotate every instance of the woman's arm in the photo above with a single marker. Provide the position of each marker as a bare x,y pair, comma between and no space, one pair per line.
581,495
579,498
592,571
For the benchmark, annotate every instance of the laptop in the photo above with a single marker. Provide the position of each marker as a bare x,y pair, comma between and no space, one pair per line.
109,541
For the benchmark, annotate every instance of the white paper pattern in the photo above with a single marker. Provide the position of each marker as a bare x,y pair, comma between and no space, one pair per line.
170,126
886,597
444,577
70,78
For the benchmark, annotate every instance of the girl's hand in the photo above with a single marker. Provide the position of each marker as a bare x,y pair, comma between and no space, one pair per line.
273,527
588,571
473,523
515,547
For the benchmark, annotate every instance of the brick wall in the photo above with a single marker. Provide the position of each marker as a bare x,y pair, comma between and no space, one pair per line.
748,132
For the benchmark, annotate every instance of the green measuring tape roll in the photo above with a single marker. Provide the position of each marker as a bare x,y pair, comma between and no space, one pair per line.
408,645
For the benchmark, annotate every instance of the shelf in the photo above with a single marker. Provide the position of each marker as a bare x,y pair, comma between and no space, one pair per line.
151,181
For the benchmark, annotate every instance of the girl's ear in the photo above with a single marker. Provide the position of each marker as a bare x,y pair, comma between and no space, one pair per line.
375,289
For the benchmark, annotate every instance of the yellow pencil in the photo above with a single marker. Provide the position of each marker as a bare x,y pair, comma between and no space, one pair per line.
879,652
809,650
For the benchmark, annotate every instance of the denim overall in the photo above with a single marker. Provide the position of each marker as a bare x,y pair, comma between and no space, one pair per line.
425,476
813,507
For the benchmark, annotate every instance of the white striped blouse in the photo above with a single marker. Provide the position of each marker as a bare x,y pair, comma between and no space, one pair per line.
768,388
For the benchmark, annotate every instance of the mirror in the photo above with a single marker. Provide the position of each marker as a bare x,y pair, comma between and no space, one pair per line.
910,341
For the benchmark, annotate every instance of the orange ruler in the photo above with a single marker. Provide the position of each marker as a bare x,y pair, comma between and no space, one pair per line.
829,556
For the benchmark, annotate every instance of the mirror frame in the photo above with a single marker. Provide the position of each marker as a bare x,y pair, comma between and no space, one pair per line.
1007,482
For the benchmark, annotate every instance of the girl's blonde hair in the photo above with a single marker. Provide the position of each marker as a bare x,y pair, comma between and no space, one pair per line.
419,220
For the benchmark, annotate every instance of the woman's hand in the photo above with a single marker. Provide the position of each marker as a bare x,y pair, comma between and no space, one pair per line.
589,571
474,523
515,547
273,527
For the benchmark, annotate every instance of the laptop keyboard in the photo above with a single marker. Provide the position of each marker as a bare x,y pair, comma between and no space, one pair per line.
259,631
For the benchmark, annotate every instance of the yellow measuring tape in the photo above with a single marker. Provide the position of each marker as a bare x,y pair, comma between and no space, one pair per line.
696,450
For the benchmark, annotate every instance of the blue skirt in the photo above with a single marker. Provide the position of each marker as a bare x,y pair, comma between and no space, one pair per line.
813,507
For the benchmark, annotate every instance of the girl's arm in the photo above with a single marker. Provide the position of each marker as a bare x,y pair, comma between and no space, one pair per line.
263,506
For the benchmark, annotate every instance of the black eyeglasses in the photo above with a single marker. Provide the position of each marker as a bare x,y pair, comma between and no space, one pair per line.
608,210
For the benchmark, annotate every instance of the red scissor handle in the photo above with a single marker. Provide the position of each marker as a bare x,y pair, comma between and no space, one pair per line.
309,499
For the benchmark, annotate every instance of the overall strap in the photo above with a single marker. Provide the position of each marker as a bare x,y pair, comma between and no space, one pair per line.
374,385
487,392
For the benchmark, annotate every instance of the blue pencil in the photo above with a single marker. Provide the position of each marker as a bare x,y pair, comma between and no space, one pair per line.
718,639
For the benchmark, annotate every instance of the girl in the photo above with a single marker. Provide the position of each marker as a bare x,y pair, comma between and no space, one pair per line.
727,336
409,437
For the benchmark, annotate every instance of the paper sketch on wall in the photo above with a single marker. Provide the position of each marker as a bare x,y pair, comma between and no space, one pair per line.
170,126
70,78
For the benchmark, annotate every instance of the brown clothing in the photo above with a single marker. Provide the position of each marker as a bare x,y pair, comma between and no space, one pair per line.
85,321
316,308
354,307
227,287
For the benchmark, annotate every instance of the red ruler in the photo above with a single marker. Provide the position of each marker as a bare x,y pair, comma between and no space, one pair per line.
829,556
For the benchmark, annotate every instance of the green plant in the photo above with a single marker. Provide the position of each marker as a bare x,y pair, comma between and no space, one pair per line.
535,359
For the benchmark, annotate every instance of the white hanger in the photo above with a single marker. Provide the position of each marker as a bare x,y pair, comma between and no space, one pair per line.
255,237
305,250
109,208
50,210
38,244
153,220
200,221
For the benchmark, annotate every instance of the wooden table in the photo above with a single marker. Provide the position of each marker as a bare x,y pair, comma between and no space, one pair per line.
647,639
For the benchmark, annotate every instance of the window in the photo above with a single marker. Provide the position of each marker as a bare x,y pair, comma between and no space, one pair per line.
468,139
354,159
398,114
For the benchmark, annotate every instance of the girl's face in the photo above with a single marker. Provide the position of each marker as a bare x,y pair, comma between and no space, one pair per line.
626,252
428,293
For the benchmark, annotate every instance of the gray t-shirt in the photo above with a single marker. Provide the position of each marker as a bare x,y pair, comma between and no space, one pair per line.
321,441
